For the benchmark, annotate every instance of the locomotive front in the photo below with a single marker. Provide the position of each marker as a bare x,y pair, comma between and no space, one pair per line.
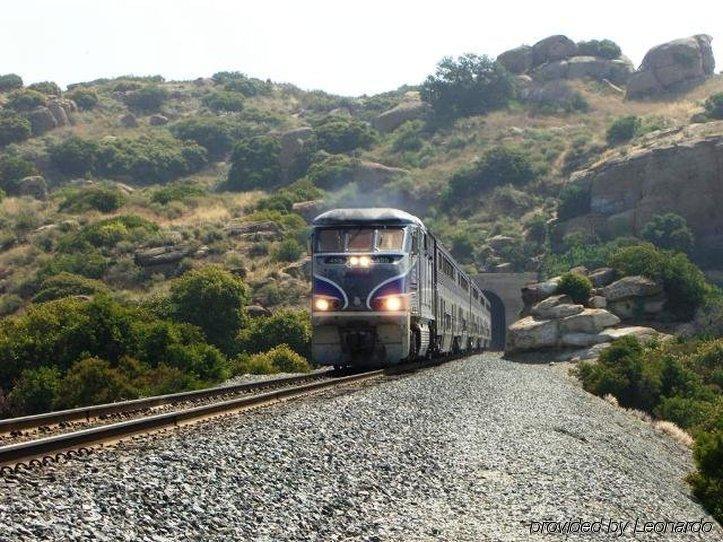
361,273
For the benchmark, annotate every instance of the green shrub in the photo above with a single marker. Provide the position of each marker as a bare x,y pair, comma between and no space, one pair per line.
10,81
669,231
708,481
212,299
85,98
470,85
67,284
108,233
330,172
105,199
623,129
177,191
9,304
286,360
13,168
46,87
600,48
498,166
283,199
408,137
147,99
25,100
13,129
92,381
255,164
215,134
684,283
714,106
292,328
35,391
74,156
255,364
337,134
574,200
288,250
221,100
88,263
577,286
238,82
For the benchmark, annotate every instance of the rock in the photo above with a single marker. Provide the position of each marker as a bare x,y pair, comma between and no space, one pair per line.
636,286
260,230
579,270
530,333
498,242
373,175
551,94
257,311
673,66
41,120
61,109
602,276
157,120
588,321
505,267
677,172
517,60
588,353
128,120
293,143
299,270
163,255
598,302
583,339
532,293
33,186
617,71
125,188
553,48
391,119
638,307
308,209
556,306
643,334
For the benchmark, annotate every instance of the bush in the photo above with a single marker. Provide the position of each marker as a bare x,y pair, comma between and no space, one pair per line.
10,81
108,233
708,481
105,199
255,164
36,391
283,199
684,283
13,129
337,134
256,364
574,200
714,106
238,82
147,99
67,284
623,129
88,263
92,381
577,286
286,360
288,250
13,168
46,87
470,85
669,231
408,137
221,100
10,303
85,98
212,299
292,328
215,134
74,156
177,191
600,48
498,166
25,100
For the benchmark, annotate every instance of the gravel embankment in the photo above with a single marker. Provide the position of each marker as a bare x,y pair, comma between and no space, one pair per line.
474,450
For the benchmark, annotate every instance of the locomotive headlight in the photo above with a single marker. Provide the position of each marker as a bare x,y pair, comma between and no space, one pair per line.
354,261
393,303
360,261
322,304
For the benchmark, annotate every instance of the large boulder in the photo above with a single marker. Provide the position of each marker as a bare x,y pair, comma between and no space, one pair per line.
308,209
535,292
588,321
169,254
33,186
41,120
61,109
393,118
642,333
293,143
673,66
530,333
635,286
638,307
556,306
582,339
157,120
602,276
616,71
299,270
517,60
258,230
553,48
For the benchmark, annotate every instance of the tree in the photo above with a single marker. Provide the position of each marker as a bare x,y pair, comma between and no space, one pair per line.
213,133
336,134
255,164
470,85
669,231
212,299
35,391
10,81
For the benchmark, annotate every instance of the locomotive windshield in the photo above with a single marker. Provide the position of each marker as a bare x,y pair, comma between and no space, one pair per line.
359,239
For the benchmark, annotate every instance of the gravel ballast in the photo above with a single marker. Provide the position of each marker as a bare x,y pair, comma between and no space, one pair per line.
477,449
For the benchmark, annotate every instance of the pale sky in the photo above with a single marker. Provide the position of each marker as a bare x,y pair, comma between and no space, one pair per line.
342,47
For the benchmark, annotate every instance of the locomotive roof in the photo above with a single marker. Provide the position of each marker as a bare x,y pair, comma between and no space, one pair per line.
377,215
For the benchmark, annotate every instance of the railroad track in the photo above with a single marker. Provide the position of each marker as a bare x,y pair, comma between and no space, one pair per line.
60,447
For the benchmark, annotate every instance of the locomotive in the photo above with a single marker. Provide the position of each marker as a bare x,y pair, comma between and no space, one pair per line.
385,290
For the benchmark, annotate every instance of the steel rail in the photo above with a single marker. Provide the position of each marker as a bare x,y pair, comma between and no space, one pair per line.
15,453
96,411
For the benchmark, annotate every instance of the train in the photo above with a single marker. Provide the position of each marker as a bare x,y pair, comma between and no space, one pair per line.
386,291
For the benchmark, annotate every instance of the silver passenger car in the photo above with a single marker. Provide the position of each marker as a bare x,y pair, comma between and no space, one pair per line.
384,290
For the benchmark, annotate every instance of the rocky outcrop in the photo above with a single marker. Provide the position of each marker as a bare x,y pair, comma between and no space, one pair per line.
617,70
260,230
673,66
299,270
635,297
556,306
62,111
308,209
157,120
128,120
634,286
602,276
169,254
33,186
552,48
393,118
257,311
41,120
293,143
677,172
588,321
517,60
533,293
531,333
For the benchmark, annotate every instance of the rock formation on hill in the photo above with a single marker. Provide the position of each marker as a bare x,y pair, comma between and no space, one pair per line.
673,66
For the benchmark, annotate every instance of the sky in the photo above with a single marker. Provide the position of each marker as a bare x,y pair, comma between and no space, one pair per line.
342,47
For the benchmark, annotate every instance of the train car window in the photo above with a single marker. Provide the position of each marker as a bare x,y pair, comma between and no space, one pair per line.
330,241
391,239
360,240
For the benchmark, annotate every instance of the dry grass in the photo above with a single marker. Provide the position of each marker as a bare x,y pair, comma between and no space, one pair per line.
673,431
611,399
